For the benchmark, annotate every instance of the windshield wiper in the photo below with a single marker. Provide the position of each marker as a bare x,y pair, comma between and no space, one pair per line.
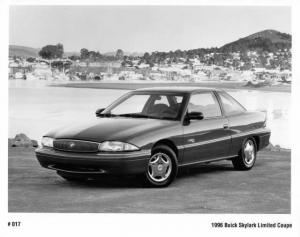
165,118
133,115
107,115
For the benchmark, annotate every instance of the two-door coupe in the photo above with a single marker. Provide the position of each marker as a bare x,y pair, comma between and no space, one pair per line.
155,131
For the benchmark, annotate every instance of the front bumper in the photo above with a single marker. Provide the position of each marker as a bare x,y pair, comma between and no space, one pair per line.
103,162
264,140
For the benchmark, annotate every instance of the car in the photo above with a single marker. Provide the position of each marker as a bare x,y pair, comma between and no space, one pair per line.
153,132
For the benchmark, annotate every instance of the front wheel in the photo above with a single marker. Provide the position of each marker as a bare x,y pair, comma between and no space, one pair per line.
162,167
247,155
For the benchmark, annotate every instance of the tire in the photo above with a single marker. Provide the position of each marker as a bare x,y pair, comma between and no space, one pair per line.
162,167
71,178
247,155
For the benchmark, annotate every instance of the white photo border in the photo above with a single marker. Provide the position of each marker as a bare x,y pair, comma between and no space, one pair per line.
46,224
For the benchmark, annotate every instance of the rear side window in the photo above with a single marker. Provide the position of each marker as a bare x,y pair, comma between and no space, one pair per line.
205,103
230,105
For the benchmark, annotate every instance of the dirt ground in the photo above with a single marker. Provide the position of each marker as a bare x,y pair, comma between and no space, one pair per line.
211,188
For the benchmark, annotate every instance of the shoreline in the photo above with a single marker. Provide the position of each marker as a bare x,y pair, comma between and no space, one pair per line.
137,85
72,100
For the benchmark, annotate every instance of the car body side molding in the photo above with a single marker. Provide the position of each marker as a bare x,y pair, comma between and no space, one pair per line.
207,161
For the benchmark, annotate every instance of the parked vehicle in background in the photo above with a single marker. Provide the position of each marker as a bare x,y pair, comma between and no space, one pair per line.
155,131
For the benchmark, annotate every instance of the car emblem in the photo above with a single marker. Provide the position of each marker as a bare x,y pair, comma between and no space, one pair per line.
72,144
191,140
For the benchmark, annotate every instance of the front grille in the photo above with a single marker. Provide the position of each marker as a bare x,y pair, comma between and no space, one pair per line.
75,145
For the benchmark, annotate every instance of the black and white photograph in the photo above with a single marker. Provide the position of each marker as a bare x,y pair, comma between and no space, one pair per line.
168,110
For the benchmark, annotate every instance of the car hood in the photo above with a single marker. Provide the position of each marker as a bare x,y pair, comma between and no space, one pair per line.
103,129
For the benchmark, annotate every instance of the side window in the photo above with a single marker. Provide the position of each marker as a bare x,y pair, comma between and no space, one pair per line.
230,105
178,99
205,103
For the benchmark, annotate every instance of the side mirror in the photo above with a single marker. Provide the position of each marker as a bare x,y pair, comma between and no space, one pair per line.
195,116
192,116
99,111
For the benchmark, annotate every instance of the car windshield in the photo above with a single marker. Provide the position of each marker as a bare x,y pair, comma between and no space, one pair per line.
146,105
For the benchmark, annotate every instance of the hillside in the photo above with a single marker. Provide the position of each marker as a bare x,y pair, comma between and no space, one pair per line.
267,40
26,52
22,51
273,35
133,54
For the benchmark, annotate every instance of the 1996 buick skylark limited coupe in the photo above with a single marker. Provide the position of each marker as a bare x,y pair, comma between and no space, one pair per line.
153,132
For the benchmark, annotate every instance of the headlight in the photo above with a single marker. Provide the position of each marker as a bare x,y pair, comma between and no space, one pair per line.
116,146
47,141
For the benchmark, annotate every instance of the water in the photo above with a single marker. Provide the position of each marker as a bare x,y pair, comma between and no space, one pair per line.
278,108
36,109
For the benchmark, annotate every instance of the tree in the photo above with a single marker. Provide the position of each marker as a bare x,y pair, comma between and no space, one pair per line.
60,49
84,53
92,55
146,56
52,51
119,54
30,59
74,57
151,64
178,53
127,62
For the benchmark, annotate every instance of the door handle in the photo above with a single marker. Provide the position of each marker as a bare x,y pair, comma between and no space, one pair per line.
225,126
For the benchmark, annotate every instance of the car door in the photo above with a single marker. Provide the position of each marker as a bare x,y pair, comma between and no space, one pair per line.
209,138
240,122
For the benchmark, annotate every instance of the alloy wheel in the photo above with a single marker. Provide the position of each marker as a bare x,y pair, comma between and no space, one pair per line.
159,167
249,152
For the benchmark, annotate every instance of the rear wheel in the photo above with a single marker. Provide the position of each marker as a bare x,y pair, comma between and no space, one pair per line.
247,155
162,167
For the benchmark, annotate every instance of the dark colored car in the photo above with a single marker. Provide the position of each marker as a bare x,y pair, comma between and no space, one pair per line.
153,132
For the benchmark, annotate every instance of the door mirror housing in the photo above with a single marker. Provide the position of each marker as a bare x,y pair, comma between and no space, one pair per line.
99,111
192,116
195,116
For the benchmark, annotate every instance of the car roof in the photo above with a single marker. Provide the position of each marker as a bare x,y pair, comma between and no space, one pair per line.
182,89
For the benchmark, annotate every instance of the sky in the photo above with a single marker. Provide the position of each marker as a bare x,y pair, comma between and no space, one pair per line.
141,29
